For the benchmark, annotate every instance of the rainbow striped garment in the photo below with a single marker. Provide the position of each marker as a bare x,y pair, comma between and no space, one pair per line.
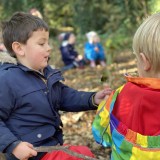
125,143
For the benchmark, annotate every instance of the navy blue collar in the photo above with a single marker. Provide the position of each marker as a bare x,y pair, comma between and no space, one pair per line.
48,71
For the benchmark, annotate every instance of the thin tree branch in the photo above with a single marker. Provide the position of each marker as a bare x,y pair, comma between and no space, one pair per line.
56,148
63,148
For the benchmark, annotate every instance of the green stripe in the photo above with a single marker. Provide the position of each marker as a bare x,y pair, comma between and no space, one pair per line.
153,141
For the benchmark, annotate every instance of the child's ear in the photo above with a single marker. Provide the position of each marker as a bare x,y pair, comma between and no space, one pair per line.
18,48
145,62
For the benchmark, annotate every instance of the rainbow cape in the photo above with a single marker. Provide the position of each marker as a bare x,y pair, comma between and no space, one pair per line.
125,143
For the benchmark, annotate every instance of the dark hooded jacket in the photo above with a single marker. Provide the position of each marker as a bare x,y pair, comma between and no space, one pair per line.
29,104
69,54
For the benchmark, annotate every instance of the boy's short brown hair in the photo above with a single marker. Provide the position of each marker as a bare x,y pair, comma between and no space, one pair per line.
20,28
147,40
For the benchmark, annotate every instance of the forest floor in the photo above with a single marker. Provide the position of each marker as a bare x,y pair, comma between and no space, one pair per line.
77,126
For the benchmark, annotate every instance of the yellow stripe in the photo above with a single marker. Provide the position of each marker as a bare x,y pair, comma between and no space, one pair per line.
104,118
138,154
142,140
108,131
120,88
101,105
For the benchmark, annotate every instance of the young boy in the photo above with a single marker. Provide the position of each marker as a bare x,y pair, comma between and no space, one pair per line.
31,92
129,120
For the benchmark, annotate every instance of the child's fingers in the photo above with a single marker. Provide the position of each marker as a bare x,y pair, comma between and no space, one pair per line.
29,145
33,153
106,97
107,91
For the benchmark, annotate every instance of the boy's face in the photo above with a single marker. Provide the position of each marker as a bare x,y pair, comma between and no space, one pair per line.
37,50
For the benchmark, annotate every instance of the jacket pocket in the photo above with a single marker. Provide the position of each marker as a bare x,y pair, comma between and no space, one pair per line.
39,134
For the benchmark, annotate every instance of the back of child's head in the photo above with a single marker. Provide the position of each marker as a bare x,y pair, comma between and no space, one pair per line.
20,28
147,40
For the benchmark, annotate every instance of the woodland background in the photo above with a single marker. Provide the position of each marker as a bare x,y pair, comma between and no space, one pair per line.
116,22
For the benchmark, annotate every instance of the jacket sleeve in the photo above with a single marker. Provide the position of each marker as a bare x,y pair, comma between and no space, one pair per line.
75,101
6,108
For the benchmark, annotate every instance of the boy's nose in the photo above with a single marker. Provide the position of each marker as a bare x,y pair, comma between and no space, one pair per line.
49,48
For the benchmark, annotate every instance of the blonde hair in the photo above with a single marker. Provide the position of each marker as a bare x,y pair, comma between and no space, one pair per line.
147,40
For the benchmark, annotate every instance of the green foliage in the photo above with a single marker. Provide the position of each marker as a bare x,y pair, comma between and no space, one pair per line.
89,15
8,7
116,20
126,16
58,15
155,6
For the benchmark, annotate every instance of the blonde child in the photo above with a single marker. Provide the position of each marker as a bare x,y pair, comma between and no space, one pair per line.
93,50
128,121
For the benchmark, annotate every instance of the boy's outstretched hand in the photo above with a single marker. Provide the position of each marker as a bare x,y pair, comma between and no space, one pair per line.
101,95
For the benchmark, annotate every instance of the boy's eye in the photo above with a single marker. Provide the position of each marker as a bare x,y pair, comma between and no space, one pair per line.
41,44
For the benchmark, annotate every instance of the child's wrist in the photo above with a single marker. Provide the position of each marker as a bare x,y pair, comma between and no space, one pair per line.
93,100
11,147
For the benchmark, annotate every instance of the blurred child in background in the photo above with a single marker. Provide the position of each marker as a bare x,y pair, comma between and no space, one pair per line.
36,12
93,50
2,48
70,56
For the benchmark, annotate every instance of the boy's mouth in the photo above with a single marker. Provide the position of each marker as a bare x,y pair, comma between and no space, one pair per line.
47,58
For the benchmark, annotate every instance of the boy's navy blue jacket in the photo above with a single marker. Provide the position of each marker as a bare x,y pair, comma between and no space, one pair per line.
68,53
29,105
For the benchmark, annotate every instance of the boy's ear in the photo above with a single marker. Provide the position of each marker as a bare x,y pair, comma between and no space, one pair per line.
17,48
145,62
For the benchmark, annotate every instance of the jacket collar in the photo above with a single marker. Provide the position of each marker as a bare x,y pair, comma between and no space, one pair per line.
6,61
48,71
153,83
